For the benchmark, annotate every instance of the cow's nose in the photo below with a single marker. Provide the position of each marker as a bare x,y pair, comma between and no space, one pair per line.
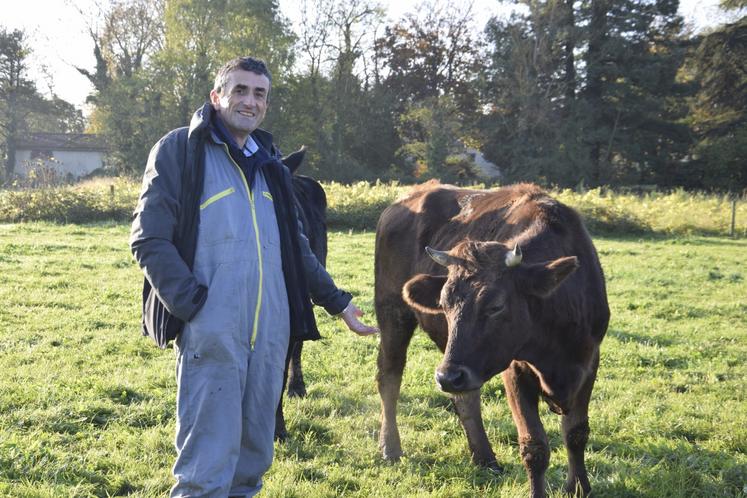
455,379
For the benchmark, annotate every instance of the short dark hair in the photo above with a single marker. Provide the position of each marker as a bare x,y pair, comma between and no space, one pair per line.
256,66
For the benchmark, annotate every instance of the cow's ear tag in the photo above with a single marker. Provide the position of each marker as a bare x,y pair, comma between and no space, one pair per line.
423,293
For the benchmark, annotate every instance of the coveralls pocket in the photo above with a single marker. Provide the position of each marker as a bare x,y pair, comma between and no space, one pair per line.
271,250
215,228
212,333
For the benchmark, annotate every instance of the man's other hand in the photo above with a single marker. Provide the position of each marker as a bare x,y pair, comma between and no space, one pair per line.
350,316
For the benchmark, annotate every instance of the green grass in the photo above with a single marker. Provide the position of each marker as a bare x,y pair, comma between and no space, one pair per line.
87,404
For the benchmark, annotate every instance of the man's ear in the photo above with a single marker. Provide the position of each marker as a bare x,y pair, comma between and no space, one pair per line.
423,292
215,99
542,279
294,159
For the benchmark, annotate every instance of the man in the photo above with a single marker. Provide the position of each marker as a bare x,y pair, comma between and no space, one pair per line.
218,238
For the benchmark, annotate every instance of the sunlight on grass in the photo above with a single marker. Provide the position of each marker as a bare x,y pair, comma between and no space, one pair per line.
87,404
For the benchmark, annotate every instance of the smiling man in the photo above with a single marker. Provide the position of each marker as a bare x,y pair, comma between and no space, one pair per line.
217,236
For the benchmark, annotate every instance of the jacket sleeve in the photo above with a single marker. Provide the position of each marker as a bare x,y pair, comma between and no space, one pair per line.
154,227
322,288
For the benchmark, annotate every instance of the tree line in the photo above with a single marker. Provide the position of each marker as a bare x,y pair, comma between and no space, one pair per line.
563,92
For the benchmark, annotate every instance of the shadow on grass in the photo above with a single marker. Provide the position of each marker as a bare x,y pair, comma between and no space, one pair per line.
672,469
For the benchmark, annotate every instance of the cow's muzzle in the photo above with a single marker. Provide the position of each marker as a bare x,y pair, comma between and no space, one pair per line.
457,379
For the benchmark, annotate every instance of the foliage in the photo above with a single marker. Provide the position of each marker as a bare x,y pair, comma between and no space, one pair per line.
559,93
103,199
719,109
87,404
430,131
153,71
586,91
357,206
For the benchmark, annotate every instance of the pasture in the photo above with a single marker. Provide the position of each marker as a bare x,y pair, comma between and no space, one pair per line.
87,404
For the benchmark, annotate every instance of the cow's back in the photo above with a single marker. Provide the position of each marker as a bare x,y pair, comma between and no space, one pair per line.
441,216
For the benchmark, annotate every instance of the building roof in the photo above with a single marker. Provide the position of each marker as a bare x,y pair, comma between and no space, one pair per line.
61,141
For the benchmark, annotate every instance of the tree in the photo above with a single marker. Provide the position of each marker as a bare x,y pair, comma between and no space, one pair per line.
586,92
719,110
430,64
428,131
22,107
430,53
127,35
633,56
124,34
529,128
328,105
17,93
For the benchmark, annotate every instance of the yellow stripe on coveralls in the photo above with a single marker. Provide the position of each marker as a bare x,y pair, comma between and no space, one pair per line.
217,197
267,194
259,248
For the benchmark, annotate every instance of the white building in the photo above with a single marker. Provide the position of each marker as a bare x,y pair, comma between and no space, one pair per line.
485,168
72,155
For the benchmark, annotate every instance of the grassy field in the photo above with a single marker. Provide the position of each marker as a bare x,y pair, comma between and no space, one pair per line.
87,404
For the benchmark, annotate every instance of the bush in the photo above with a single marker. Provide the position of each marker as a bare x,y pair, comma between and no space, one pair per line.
358,206
101,199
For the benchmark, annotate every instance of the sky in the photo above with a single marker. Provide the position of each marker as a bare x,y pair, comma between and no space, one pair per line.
60,41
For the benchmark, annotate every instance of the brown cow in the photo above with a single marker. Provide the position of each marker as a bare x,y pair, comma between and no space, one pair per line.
516,288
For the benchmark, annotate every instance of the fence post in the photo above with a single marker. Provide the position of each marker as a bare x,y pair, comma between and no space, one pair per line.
732,231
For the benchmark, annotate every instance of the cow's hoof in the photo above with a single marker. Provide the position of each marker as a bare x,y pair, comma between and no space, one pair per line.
296,390
575,488
391,456
281,434
492,466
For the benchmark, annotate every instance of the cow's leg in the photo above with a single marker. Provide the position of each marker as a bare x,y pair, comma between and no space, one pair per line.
468,408
522,392
575,425
296,385
281,432
397,325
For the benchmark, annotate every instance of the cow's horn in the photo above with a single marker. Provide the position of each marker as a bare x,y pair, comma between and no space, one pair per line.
513,258
440,257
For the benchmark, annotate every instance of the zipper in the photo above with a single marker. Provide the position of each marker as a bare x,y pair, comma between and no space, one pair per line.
259,249
217,197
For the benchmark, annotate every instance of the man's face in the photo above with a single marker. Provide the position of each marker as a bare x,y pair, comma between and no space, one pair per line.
242,102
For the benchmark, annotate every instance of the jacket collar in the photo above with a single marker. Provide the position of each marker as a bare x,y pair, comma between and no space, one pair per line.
201,121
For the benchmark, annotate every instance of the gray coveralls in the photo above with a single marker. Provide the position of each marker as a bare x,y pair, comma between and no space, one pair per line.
231,355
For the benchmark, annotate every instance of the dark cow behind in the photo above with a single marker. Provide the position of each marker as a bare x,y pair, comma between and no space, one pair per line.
311,203
503,281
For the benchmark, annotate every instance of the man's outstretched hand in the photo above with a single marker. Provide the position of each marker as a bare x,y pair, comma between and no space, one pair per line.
350,316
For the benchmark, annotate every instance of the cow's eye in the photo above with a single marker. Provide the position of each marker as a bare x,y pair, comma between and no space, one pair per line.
495,310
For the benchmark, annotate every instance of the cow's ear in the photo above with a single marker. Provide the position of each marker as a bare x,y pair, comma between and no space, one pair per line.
542,279
423,292
293,160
